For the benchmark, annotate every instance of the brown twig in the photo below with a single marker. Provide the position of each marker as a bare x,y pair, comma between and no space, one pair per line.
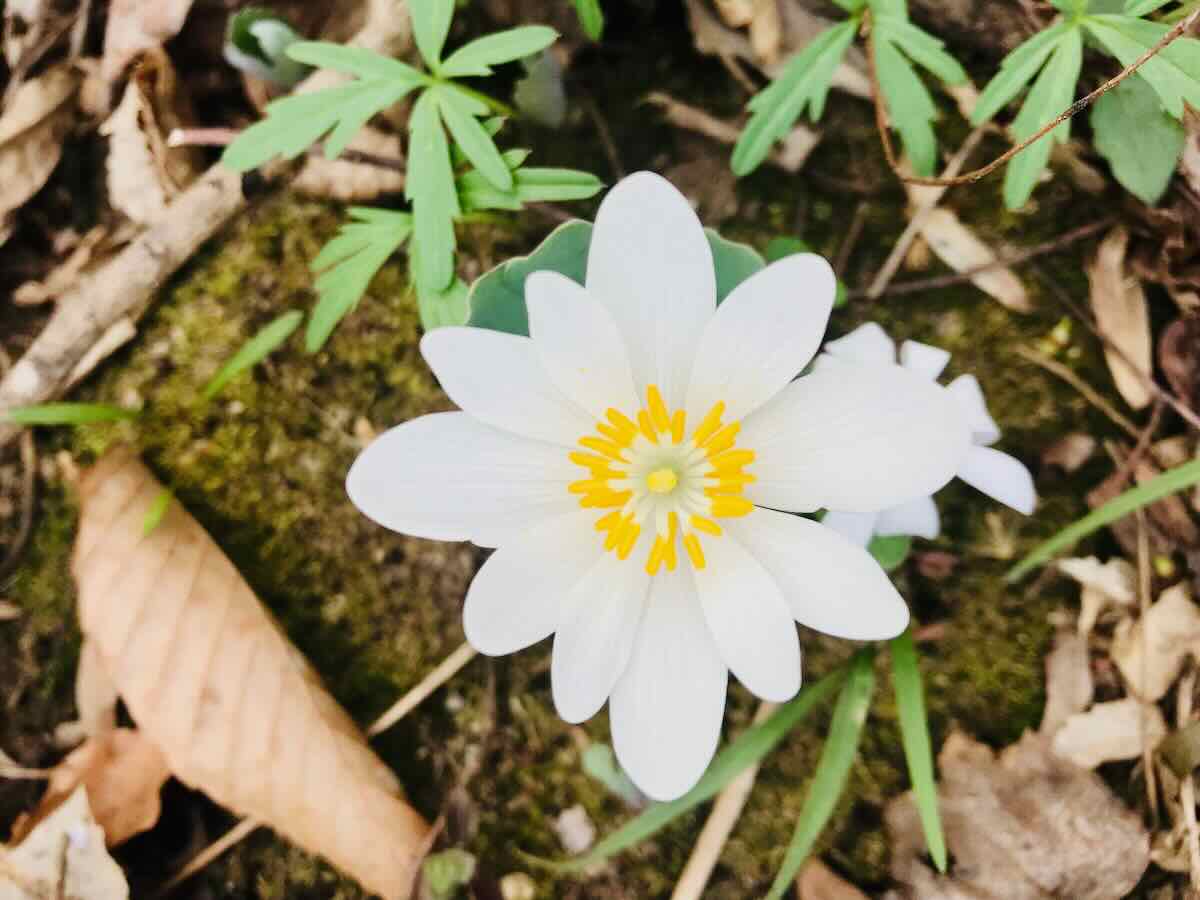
1089,393
606,138
1143,559
853,233
1078,106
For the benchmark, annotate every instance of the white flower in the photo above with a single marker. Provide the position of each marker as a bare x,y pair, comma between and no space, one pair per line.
997,474
629,461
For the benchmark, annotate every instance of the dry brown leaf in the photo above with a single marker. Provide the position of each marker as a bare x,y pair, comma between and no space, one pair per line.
766,31
1070,451
123,774
1151,652
1025,825
63,857
353,181
96,696
137,25
958,247
31,134
817,881
1113,583
1179,357
9,611
1119,304
1119,729
1069,686
211,679
1189,162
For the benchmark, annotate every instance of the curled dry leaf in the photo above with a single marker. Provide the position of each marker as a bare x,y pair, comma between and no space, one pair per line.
1070,451
137,25
1113,583
817,881
122,773
1119,304
1119,729
1179,357
1024,825
339,179
211,679
64,856
31,134
1151,652
1069,684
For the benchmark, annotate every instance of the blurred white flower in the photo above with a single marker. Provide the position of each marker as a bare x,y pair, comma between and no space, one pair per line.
630,460
1000,476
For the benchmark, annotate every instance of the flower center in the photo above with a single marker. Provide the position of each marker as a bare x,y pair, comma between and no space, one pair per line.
653,476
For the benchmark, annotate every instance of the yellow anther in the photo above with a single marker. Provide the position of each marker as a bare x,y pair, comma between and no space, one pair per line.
734,458
723,439
588,460
678,426
587,486
657,552
692,544
729,484
729,507
662,481
600,445
646,427
708,526
622,422
616,435
630,538
669,556
658,409
709,424
611,520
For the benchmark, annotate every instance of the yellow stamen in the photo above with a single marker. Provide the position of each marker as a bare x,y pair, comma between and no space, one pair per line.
678,426
588,460
654,563
631,536
658,409
608,521
662,481
616,435
731,507
600,445
622,422
694,551
732,458
647,427
722,440
708,526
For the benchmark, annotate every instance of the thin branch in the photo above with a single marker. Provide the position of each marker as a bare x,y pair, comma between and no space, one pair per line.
447,669
1078,106
1143,560
1089,393
221,845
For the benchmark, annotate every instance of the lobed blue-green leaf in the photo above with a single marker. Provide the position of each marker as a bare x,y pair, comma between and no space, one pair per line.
478,57
908,103
472,139
1174,72
1016,70
431,24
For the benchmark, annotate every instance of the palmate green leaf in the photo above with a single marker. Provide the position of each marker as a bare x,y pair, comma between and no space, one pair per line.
908,103
67,414
1140,141
530,185
430,187
921,47
356,61
1170,482
749,747
348,263
918,749
1143,7
804,82
1051,93
478,57
255,350
591,17
841,747
1016,70
431,24
1174,72
471,138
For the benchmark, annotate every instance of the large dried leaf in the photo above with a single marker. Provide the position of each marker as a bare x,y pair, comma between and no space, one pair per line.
1025,825
1119,729
1119,304
1113,583
137,25
211,679
1151,652
1069,685
63,857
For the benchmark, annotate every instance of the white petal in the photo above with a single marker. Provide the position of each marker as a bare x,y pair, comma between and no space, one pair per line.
930,361
750,620
969,396
578,344
1001,477
650,264
762,336
667,707
517,596
868,343
498,379
856,438
918,518
854,526
595,636
830,584
446,476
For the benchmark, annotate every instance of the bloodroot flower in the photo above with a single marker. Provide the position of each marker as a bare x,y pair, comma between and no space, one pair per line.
635,463
1000,476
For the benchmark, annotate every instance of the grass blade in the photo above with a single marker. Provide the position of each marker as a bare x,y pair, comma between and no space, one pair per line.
157,511
1169,482
918,749
841,747
67,414
750,747
254,351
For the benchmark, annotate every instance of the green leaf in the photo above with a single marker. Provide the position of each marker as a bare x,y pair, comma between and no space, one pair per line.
255,350
440,308
431,190
448,870
1170,482
804,82
890,551
909,104
497,298
157,511
591,17
750,747
1140,141
470,137
67,414
733,262
921,47
357,61
918,749
431,24
478,57
348,263
530,185
1174,72
829,781
600,763
1051,93
256,41
1016,70
1143,7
